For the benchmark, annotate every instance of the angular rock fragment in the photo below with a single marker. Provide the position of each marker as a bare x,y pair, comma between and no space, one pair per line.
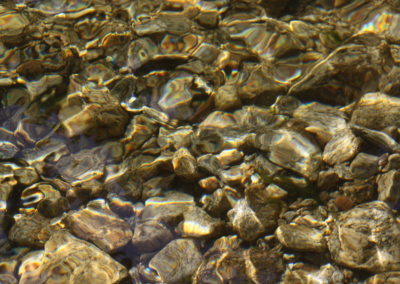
228,157
173,137
327,179
26,176
323,120
245,221
393,163
98,224
217,204
77,261
32,195
251,223
8,144
124,209
93,115
286,105
177,261
209,163
389,187
364,166
301,238
341,148
185,165
274,191
292,150
376,138
367,237
83,166
231,176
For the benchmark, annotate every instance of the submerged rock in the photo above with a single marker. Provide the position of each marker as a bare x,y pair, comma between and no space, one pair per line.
367,237
376,111
304,273
301,238
227,261
292,150
150,236
32,231
341,148
177,261
77,261
198,224
98,224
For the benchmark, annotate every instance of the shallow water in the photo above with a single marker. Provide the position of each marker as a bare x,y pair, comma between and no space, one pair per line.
158,141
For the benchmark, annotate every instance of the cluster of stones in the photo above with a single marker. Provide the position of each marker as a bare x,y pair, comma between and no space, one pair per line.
199,141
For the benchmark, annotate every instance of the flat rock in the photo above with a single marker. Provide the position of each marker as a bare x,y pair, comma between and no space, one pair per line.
168,209
377,111
67,259
98,224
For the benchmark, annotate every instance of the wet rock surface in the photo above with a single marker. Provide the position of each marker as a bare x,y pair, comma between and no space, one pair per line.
177,261
301,238
199,141
76,261
98,224
372,233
